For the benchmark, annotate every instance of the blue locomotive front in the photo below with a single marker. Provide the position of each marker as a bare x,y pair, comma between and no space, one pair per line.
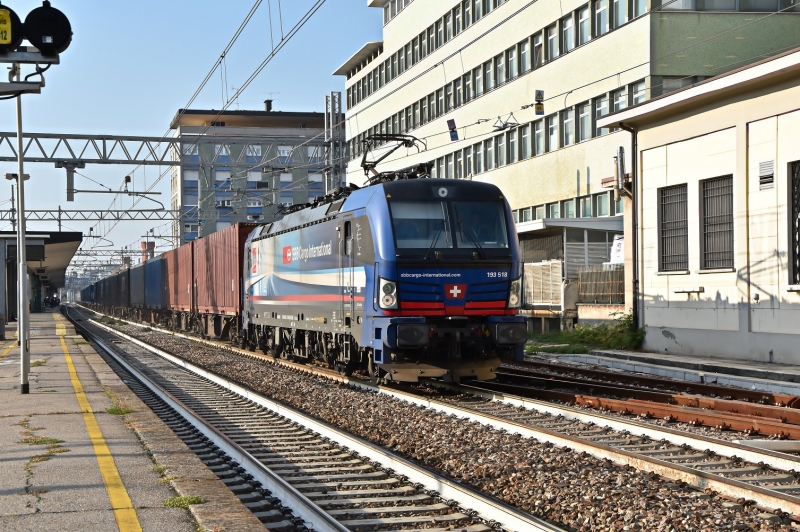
407,279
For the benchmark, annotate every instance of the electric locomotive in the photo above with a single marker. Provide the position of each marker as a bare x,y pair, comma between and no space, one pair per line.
407,279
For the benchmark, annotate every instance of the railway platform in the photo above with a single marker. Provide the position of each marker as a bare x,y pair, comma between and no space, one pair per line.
82,452
769,377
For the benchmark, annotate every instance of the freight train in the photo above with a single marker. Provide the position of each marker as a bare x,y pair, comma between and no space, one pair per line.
405,279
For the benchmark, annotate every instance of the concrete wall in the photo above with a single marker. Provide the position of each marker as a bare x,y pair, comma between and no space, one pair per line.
730,136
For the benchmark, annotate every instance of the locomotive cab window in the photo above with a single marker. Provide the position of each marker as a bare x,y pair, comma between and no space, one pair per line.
419,224
480,224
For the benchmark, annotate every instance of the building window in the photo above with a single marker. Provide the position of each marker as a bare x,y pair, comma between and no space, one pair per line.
584,121
639,7
620,97
488,154
457,20
448,27
583,26
500,149
600,17
478,10
524,56
538,137
439,34
637,92
423,45
620,12
478,151
794,222
488,76
717,222
525,142
468,95
467,13
602,204
448,97
586,207
552,42
440,102
569,209
673,228
526,215
477,77
511,62
567,34
601,110
552,132
511,142
448,166
567,127
500,69
516,216
554,211
538,50
458,168
457,94
468,168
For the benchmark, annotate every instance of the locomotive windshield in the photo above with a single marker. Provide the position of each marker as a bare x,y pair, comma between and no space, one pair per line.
432,224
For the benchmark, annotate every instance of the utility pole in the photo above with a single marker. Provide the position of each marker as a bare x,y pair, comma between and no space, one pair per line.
13,210
22,275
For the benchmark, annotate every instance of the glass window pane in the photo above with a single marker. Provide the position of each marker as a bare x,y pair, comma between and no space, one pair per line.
584,121
511,62
552,132
540,213
420,225
620,99
488,76
538,50
538,137
569,209
638,93
524,56
639,7
602,205
480,224
477,76
586,207
468,164
448,27
500,69
753,5
552,42
525,141
478,151
500,149
600,110
555,211
488,154
620,12
583,26
568,127
601,17
511,143
567,34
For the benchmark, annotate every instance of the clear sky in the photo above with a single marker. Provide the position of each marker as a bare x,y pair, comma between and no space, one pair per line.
132,65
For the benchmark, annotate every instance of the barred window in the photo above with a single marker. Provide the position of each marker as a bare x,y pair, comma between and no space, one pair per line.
794,222
718,223
673,222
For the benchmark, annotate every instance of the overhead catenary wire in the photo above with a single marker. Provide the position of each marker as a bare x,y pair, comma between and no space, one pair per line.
284,40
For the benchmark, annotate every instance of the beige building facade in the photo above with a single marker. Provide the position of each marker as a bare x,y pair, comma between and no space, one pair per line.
717,214
480,63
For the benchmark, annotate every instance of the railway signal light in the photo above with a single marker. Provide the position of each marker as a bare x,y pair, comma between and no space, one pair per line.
11,32
48,29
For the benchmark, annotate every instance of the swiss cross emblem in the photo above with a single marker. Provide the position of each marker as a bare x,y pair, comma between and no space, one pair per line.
455,291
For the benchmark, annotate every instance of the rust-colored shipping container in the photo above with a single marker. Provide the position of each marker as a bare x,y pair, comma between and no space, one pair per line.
218,269
179,277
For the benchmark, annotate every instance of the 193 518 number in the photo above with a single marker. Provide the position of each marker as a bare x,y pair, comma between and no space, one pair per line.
497,274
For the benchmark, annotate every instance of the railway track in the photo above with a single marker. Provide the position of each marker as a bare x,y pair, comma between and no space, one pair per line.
744,475
330,480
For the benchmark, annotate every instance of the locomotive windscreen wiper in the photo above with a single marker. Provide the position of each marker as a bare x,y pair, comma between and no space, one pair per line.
433,244
472,238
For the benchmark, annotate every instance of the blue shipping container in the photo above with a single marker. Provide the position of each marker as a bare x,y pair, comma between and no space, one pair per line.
137,286
154,283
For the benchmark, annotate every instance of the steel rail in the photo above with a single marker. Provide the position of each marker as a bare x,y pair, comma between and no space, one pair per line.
701,479
487,506
313,515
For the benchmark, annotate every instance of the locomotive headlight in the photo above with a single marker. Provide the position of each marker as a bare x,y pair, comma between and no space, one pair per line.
515,293
388,294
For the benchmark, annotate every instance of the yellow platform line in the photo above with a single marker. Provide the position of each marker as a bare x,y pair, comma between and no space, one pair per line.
124,512
7,350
